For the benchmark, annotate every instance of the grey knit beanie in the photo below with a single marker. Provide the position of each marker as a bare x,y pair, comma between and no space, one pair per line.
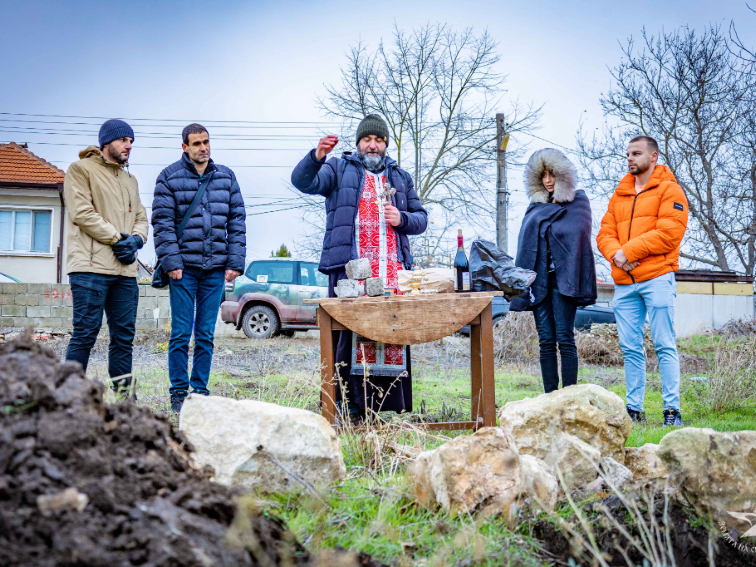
373,125
114,130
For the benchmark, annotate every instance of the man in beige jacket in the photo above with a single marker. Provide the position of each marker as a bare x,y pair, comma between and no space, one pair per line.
106,224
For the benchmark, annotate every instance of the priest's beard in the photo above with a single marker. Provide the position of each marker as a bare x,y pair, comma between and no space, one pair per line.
373,161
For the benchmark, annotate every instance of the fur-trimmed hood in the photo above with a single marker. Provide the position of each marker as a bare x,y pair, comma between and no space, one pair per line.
560,167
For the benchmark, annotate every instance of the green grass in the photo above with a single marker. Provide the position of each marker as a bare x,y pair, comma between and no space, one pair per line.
373,510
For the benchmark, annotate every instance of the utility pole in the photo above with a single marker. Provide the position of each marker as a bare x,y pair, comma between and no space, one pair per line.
502,195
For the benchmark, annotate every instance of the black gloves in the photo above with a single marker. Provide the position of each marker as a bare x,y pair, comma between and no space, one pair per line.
125,249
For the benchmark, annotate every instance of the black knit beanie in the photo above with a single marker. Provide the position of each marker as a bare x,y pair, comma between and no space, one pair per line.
373,125
114,130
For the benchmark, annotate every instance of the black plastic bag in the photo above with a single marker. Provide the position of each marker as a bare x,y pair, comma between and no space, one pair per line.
493,270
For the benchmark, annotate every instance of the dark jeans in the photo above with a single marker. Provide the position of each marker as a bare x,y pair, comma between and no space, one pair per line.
555,321
195,301
117,296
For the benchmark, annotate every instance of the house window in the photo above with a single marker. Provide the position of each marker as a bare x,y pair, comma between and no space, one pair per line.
25,230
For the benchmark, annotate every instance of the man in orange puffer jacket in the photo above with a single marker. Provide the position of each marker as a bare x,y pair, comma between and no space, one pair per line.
640,236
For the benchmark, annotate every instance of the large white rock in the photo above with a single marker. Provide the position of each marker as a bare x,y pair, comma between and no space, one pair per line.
541,484
644,462
715,472
587,411
576,461
262,446
480,473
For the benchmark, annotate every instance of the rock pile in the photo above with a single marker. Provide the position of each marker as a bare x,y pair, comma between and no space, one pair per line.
577,433
357,271
82,483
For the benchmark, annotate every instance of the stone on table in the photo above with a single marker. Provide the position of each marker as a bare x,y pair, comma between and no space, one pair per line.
348,288
359,269
262,446
374,287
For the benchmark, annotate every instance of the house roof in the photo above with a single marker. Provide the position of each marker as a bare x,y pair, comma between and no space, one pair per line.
20,165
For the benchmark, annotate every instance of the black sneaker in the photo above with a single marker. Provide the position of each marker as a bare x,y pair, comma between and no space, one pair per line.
636,416
177,400
202,392
672,418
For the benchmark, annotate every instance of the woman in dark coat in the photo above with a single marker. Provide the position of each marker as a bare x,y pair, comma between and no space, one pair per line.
555,242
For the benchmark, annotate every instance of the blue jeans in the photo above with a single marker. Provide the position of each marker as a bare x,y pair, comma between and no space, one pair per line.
631,304
117,296
195,301
555,322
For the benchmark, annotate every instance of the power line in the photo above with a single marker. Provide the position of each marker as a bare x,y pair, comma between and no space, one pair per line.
165,119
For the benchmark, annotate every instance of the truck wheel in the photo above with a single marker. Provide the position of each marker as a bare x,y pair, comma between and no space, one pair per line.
260,322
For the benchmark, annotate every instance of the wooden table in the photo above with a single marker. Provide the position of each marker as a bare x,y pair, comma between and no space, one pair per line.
411,320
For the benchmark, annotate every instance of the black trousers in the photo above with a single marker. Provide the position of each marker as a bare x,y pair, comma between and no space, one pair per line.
379,393
555,322
117,297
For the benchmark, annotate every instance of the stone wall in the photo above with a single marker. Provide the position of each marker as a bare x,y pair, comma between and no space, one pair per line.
49,307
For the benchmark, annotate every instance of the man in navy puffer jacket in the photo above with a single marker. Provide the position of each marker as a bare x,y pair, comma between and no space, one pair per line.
346,182
211,251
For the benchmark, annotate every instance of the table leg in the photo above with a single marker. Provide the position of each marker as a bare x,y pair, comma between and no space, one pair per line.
487,367
476,359
327,361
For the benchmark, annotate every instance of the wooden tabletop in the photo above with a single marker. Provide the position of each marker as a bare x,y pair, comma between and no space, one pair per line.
407,319
392,298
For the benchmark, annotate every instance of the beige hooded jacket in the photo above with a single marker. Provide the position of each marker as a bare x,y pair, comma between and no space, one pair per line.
102,201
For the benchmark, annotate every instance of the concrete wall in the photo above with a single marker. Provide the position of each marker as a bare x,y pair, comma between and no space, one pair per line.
49,307
34,267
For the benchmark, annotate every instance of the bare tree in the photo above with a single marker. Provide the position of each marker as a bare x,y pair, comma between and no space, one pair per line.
690,92
438,90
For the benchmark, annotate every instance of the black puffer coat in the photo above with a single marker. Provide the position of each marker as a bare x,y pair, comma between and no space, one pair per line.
341,181
215,236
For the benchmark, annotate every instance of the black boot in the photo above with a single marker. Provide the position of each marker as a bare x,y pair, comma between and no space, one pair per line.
125,389
177,400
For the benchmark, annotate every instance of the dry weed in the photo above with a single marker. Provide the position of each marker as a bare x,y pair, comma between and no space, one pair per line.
732,378
516,339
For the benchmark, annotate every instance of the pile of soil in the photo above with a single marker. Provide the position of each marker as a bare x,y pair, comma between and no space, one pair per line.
689,539
84,483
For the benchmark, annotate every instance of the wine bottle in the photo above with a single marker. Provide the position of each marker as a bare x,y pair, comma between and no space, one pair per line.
461,268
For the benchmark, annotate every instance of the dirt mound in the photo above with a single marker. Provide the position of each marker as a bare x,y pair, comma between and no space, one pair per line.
82,483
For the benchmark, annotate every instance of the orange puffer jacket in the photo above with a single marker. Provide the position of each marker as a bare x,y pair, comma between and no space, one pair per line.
647,226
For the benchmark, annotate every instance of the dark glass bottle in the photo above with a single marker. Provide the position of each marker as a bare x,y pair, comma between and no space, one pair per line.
461,268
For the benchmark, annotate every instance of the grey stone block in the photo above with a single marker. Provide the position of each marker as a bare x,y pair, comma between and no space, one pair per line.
7,299
14,311
13,287
148,302
359,269
6,322
38,311
61,311
143,290
165,304
374,287
40,288
22,322
27,299
146,324
164,324
348,288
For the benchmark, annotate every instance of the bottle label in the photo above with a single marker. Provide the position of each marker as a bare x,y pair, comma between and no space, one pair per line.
465,281
455,279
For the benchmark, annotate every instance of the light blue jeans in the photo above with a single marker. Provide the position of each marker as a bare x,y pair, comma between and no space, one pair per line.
631,303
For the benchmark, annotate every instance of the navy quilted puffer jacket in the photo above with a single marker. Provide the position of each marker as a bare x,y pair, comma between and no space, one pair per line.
215,236
340,181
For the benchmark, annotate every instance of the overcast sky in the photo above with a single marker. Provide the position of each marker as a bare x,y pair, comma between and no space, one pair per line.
268,62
